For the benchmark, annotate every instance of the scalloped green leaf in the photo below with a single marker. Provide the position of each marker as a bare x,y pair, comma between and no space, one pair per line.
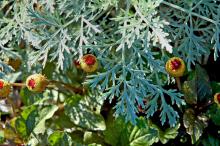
194,124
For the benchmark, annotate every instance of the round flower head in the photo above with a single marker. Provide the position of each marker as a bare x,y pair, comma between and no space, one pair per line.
89,63
5,88
175,67
36,83
217,98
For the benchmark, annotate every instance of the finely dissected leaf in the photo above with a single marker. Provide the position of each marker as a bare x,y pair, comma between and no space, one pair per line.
59,138
85,113
194,124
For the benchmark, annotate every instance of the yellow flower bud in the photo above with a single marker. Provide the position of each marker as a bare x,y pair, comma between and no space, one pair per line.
89,63
175,66
5,88
36,83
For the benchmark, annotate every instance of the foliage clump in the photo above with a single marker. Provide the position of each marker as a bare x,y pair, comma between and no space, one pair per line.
96,58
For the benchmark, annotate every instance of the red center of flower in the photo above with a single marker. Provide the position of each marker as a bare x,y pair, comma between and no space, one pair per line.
175,64
90,60
1,84
218,98
31,83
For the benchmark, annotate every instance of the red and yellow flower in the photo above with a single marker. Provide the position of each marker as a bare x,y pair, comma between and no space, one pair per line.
175,66
37,83
5,88
89,63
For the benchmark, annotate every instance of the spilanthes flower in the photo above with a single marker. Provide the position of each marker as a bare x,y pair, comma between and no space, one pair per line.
37,83
175,66
5,88
89,63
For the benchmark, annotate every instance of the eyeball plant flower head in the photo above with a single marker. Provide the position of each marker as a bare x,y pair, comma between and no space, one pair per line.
217,99
36,83
89,63
175,66
5,88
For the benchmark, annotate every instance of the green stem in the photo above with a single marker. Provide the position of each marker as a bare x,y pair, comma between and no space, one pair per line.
178,83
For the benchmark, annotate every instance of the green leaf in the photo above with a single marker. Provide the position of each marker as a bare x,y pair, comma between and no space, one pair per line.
215,87
2,139
44,114
59,138
114,130
150,134
61,121
33,119
168,134
21,127
85,113
189,91
214,113
28,97
77,136
211,141
143,137
91,137
194,124
198,87
204,89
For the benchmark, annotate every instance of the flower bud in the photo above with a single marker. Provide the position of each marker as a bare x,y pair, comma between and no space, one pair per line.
89,63
175,66
5,88
36,83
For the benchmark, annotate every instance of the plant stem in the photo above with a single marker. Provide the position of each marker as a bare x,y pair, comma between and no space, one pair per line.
178,83
54,84
18,84
79,90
